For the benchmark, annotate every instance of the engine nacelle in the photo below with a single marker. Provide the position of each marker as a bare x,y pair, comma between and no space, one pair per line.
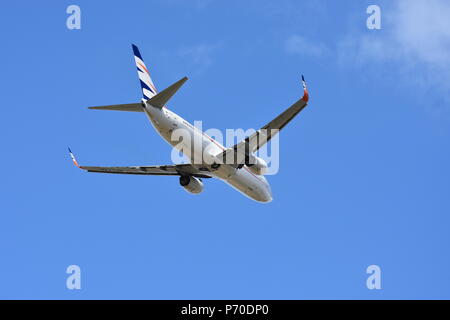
257,166
191,184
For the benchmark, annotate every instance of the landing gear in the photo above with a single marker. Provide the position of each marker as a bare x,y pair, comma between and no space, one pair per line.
215,166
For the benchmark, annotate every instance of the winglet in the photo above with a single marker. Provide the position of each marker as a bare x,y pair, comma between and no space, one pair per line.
305,90
73,158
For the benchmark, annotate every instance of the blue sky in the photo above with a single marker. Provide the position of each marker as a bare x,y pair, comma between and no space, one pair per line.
364,176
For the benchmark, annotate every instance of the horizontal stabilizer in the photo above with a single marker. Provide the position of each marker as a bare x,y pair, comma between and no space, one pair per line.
132,107
160,99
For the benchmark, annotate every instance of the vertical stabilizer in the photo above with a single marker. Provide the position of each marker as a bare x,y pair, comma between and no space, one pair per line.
148,88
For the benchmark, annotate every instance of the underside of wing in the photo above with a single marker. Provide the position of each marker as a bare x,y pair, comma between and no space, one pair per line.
239,152
164,170
263,135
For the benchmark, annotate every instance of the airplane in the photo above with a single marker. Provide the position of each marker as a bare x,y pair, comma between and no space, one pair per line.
244,172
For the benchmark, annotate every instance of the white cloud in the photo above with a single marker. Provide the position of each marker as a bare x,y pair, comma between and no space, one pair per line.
296,44
422,29
415,36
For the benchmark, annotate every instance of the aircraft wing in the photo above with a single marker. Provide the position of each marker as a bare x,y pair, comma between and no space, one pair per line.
163,170
258,139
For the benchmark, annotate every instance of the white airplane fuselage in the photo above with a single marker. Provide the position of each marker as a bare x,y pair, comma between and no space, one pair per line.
201,146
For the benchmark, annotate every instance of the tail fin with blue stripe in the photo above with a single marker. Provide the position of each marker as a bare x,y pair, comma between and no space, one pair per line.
148,88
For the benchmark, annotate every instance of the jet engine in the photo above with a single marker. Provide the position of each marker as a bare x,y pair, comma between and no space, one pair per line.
191,184
257,165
